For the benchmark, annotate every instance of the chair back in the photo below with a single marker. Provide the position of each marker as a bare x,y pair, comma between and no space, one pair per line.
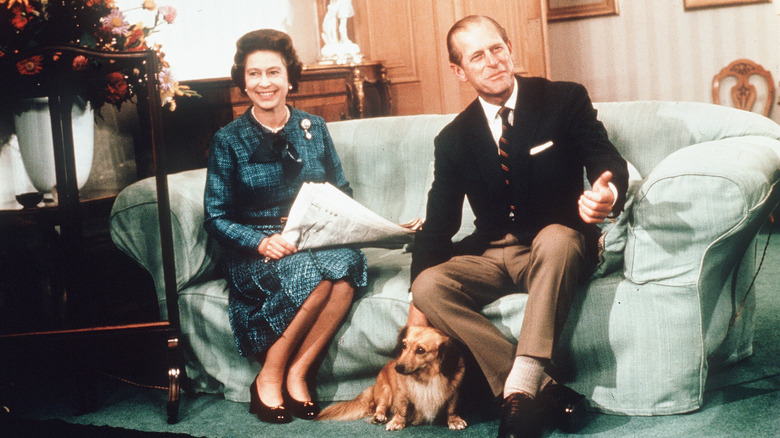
743,94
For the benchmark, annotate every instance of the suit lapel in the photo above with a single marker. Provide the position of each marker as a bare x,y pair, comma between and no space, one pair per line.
526,122
527,113
482,146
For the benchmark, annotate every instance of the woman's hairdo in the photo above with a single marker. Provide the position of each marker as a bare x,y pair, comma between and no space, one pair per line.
271,40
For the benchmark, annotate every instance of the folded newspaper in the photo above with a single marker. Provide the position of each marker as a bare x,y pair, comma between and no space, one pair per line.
324,216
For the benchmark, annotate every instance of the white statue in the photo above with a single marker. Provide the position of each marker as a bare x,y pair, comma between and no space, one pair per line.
338,47
344,11
329,23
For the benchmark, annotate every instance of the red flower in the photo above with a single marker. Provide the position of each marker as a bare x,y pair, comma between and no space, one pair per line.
135,39
116,88
30,66
80,62
21,16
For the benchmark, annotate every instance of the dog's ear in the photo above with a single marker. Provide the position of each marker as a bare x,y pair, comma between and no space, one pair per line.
399,342
449,358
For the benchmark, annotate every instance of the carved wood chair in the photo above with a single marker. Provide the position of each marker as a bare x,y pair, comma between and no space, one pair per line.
744,93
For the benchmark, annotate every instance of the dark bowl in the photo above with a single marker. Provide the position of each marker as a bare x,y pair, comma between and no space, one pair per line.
29,200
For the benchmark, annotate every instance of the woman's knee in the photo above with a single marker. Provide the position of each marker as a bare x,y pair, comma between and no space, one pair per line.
343,291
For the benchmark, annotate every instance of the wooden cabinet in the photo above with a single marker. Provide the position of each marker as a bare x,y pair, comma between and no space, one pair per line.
335,92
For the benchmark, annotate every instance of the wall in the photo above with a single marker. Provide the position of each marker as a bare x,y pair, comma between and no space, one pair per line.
201,41
656,50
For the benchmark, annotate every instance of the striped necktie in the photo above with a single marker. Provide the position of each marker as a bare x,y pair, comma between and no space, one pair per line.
503,155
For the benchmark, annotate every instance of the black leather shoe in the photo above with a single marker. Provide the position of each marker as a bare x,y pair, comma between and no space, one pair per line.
276,414
565,407
520,417
307,410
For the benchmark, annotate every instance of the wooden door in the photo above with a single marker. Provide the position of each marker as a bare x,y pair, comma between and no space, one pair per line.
409,36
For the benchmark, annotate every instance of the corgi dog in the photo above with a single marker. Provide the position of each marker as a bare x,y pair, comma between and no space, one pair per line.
419,386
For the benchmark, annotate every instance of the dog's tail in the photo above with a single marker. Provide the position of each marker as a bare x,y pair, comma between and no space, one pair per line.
355,409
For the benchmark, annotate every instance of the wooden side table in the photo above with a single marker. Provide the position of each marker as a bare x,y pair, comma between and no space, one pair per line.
60,82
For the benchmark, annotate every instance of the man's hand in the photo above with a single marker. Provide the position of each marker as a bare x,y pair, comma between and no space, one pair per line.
596,204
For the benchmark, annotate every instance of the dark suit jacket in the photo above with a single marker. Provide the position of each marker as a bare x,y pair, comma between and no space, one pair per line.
545,186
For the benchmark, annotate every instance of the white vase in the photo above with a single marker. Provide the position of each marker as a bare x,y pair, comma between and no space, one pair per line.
33,131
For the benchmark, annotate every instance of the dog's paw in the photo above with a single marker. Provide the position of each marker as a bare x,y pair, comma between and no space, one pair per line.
395,424
379,418
456,423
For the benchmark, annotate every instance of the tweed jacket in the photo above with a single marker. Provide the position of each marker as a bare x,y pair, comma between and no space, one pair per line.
547,181
237,189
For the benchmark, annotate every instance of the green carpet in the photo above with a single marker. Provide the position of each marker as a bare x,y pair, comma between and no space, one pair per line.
740,401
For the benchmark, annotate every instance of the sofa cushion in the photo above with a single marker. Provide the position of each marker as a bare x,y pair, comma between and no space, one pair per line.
698,195
135,230
386,161
645,132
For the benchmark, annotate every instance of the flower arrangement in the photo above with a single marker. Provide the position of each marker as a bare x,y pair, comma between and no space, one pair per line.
96,24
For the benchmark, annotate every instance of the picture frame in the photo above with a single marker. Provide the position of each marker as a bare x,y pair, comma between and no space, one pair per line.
572,9
701,4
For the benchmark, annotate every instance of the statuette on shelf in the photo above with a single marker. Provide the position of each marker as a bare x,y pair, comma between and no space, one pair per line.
338,48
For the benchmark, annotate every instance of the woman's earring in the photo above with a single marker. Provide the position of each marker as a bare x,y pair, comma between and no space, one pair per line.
290,87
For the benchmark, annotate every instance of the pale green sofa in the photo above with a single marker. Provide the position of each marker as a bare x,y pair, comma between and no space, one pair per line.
642,334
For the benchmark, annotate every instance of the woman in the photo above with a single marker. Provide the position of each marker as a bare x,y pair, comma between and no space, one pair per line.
285,305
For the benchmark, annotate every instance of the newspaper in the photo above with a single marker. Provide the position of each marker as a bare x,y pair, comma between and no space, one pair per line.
324,216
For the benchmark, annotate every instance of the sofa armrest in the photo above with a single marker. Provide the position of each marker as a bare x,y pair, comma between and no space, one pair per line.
705,200
134,228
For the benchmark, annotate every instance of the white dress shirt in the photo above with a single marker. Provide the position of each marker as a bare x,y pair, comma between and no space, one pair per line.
494,119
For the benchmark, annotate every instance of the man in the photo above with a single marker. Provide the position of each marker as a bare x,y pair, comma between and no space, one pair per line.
522,170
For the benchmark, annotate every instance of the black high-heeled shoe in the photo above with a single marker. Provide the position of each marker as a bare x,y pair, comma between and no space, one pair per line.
276,414
306,410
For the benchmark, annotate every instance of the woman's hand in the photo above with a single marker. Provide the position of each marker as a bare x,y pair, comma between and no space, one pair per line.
275,247
414,224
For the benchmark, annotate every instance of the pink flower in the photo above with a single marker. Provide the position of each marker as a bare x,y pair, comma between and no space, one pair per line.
166,79
115,22
168,13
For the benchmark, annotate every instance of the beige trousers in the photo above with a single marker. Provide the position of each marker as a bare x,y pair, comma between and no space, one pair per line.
452,294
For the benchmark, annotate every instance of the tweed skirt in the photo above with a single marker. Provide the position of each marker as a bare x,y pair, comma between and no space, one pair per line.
264,297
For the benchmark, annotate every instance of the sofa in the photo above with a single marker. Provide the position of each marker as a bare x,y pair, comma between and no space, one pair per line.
669,302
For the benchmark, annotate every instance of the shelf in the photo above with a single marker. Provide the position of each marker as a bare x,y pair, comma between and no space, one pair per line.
94,203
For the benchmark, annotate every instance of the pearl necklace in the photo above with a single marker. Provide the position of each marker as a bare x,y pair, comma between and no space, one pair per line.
273,131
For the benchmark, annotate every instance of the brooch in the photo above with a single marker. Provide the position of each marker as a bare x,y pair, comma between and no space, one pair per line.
305,125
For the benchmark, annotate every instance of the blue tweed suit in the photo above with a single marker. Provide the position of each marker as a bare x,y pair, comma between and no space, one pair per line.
264,297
